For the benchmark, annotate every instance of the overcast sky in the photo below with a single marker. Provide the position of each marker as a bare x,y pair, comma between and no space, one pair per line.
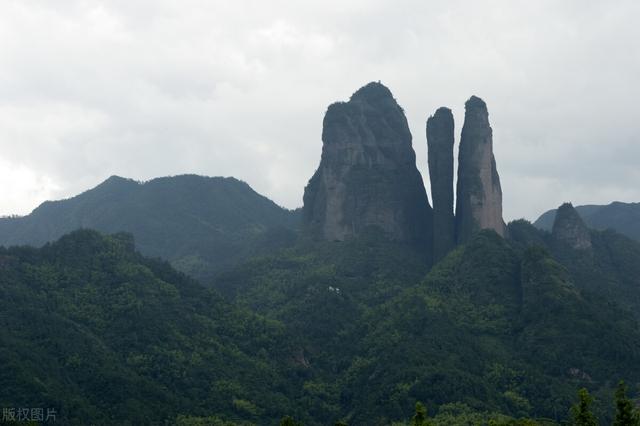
151,88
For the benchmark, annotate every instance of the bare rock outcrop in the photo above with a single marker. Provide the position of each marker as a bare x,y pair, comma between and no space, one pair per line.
479,195
367,175
440,140
569,228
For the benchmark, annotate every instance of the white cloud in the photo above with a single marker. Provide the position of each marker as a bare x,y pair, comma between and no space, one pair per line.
151,88
20,186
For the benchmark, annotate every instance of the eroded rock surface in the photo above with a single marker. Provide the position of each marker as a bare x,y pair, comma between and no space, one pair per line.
569,228
440,140
367,175
479,195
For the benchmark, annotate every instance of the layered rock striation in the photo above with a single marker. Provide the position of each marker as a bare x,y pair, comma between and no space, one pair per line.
478,194
440,140
367,175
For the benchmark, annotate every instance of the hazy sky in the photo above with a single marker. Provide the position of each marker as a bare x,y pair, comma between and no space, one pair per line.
151,88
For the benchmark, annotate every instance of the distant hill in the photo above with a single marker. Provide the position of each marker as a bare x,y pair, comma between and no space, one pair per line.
200,224
621,217
609,267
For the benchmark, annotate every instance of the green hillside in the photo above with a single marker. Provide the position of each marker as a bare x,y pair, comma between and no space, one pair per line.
104,336
357,332
492,328
200,224
610,269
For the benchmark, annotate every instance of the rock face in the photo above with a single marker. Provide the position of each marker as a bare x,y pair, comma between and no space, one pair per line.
570,229
440,139
479,196
367,175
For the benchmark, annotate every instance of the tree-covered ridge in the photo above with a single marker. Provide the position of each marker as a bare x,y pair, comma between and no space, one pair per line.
200,224
609,269
106,336
356,332
496,327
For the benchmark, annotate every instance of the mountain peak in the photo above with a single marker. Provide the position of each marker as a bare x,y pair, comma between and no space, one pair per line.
474,102
115,184
117,180
569,228
372,92
367,175
479,194
200,224
440,141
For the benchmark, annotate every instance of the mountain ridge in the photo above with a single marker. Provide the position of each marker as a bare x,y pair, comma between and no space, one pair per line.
201,224
331,314
620,216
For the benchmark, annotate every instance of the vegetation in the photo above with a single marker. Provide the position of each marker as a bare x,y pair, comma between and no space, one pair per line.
626,413
420,418
358,333
201,225
610,270
102,334
496,326
581,412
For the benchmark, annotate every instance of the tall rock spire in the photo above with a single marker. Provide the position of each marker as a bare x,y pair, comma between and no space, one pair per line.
569,228
479,196
440,139
367,175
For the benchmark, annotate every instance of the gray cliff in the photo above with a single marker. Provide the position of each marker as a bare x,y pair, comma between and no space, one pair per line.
367,175
479,196
440,140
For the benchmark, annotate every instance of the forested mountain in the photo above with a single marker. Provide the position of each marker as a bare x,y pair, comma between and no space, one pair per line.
200,224
355,331
609,267
494,327
105,336
349,331
376,305
621,217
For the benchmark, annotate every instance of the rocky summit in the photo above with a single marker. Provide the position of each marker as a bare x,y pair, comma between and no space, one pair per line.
440,140
367,175
569,228
479,196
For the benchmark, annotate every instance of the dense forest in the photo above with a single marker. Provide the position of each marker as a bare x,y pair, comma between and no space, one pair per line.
324,332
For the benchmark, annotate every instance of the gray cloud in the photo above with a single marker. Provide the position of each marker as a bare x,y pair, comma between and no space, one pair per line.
151,88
